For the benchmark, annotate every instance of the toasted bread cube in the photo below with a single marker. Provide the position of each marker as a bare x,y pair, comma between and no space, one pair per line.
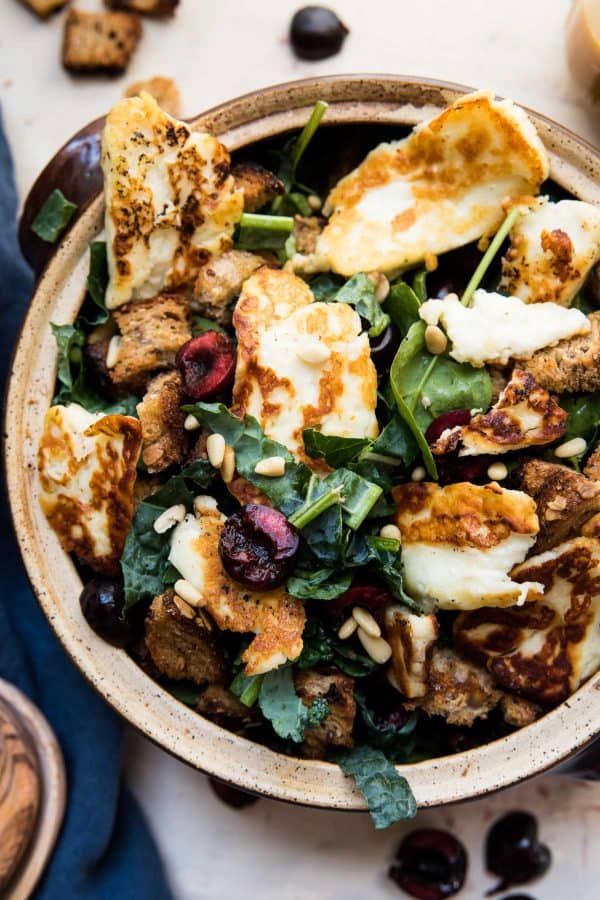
164,90
592,466
156,8
152,332
182,642
573,365
219,705
336,729
45,8
220,281
164,437
260,186
519,712
459,691
99,42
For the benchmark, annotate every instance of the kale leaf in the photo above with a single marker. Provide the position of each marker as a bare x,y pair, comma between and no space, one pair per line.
53,217
387,793
281,705
336,451
322,646
359,291
318,584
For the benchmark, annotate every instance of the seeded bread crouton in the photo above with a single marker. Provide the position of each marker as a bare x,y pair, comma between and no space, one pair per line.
564,500
220,281
182,642
164,90
572,366
164,437
99,42
306,231
336,729
260,186
222,707
152,332
592,466
156,8
459,691
44,8
519,712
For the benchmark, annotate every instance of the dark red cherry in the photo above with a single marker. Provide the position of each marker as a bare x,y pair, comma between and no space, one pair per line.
447,420
453,468
453,272
102,602
513,851
384,347
258,546
232,796
316,32
430,864
207,365
370,596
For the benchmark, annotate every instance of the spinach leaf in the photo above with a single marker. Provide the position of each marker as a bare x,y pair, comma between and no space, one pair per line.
336,451
396,441
359,292
419,285
402,306
387,793
53,217
322,646
325,286
281,705
318,584
294,199
584,414
97,280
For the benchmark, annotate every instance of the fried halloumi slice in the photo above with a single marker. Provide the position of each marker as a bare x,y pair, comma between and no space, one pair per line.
439,188
87,468
460,542
170,200
301,364
494,328
546,649
412,639
276,618
525,415
552,249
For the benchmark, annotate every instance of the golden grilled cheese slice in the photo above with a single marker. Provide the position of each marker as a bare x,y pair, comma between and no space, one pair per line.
170,200
412,639
276,618
553,246
460,542
439,188
301,364
87,468
546,649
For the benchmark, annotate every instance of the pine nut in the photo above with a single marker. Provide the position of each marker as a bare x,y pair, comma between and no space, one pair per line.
435,339
575,447
552,515
228,465
381,285
365,620
418,474
271,466
215,448
188,592
191,423
168,518
114,348
425,402
431,262
314,201
558,504
347,629
184,608
378,648
391,532
497,471
204,504
313,352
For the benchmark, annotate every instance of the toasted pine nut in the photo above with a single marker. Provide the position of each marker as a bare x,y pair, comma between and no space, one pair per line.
215,448
313,352
391,531
314,201
271,466
559,503
435,339
188,592
347,629
365,620
191,423
168,518
497,471
552,515
184,608
228,465
425,402
575,447
378,648
114,348
431,262
381,285
418,474
204,504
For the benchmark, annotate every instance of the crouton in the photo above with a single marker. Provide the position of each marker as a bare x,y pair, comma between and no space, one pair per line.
165,439
564,500
459,691
336,729
99,42
592,466
183,642
96,351
152,332
164,90
519,712
44,8
219,283
306,231
155,8
223,708
573,365
260,186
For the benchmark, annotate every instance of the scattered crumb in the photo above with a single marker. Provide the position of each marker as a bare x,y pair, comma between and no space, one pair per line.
163,89
44,8
99,42
156,8
8,82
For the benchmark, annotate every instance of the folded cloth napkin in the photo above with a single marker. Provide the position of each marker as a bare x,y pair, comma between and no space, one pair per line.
105,849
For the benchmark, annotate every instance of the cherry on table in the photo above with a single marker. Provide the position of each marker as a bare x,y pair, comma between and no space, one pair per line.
513,851
430,864
258,546
231,796
206,364
316,32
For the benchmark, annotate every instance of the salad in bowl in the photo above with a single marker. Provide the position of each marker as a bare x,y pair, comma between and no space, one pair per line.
323,437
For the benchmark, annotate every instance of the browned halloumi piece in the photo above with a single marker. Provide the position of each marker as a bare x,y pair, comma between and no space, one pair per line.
259,185
165,439
87,468
572,366
336,729
220,282
565,501
99,42
412,638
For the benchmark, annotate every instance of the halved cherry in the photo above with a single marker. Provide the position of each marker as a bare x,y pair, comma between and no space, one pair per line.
258,546
384,347
369,596
447,420
430,864
207,365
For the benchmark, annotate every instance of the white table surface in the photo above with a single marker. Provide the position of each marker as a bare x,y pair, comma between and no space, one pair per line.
216,51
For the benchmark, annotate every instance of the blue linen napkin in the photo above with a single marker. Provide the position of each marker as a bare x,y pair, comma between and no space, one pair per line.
105,851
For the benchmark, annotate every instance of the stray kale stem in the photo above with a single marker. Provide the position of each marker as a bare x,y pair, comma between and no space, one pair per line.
306,134
268,223
489,254
309,511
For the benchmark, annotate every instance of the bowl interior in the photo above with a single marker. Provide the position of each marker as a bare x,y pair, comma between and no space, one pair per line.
383,102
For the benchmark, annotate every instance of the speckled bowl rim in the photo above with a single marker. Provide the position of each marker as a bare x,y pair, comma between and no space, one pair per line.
389,99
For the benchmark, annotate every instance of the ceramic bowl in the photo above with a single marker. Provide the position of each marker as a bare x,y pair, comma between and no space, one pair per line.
355,100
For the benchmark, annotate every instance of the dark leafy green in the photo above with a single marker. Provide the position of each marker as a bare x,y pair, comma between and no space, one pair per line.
246,687
97,281
322,647
281,705
359,292
402,306
200,324
584,414
396,741
396,441
185,691
294,200
387,793
318,584
336,451
53,217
